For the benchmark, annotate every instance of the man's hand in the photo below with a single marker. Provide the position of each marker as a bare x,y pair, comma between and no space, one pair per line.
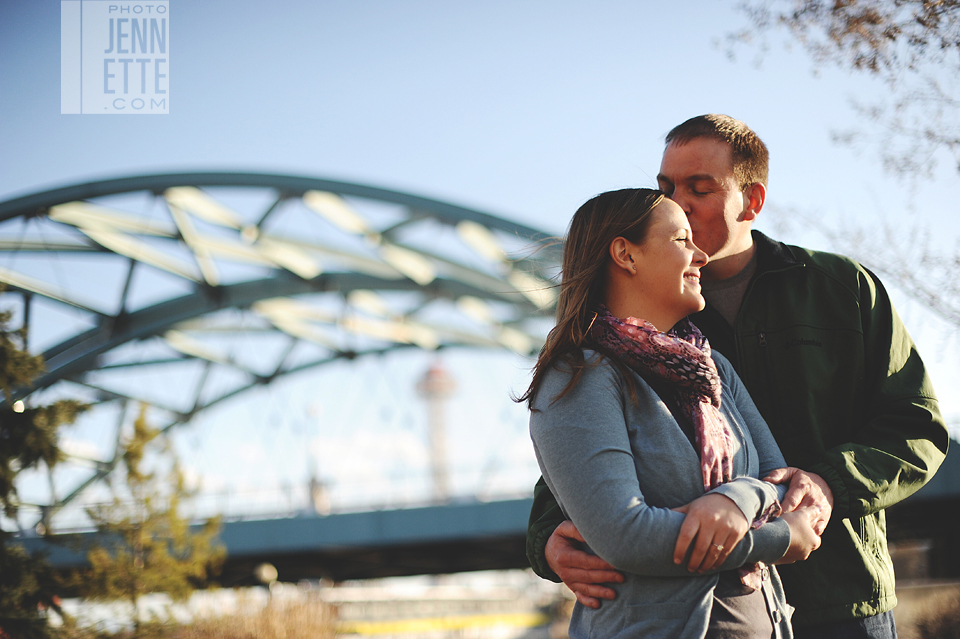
803,539
807,490
717,524
580,571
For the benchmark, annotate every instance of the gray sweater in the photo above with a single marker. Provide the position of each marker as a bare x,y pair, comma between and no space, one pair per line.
617,468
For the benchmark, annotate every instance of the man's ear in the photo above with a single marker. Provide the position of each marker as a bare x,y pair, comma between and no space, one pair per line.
754,197
621,254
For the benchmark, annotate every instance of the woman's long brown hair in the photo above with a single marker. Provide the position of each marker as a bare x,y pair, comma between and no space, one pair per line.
625,213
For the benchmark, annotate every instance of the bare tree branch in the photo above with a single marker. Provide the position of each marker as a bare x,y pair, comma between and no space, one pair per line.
911,45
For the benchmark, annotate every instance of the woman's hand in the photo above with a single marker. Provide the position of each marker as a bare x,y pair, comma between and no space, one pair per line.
716,524
803,535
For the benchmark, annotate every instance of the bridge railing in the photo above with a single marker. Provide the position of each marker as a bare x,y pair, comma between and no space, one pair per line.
411,490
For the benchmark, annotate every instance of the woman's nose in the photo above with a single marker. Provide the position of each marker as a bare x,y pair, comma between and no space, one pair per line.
699,257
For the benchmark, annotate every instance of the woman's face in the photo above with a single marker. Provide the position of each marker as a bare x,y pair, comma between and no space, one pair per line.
667,281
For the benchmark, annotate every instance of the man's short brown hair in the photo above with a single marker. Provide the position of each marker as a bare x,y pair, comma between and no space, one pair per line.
751,160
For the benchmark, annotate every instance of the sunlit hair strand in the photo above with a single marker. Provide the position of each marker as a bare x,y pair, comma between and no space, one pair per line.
626,213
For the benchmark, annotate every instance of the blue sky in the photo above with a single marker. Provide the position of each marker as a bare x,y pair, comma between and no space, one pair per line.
521,109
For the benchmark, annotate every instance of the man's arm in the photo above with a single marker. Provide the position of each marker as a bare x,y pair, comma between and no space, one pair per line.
584,574
545,516
904,438
554,540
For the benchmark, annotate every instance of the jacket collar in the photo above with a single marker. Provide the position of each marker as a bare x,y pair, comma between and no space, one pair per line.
772,255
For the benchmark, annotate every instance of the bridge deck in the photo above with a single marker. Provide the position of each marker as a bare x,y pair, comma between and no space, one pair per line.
457,537
462,537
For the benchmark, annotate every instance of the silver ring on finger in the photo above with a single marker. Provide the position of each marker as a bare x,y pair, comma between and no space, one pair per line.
719,547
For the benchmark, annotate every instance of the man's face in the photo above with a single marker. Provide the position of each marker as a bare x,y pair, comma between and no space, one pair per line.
699,177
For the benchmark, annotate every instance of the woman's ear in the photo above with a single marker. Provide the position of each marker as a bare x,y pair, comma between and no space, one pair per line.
621,252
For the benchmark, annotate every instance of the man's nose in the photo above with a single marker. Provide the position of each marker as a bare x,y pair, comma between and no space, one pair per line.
682,202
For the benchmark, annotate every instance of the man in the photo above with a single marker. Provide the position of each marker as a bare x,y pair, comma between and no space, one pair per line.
831,368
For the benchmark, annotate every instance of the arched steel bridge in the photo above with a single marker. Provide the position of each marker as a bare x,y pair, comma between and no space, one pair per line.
160,273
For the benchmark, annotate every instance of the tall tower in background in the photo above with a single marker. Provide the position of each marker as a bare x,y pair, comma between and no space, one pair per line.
435,386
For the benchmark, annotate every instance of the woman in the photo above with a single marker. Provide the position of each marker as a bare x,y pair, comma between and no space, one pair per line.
633,421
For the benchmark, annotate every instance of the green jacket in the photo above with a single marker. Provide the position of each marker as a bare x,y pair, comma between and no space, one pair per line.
840,383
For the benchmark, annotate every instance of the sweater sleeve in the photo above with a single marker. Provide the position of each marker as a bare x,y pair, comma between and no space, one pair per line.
582,445
903,439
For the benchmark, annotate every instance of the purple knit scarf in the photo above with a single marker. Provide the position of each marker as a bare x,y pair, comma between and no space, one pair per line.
680,358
